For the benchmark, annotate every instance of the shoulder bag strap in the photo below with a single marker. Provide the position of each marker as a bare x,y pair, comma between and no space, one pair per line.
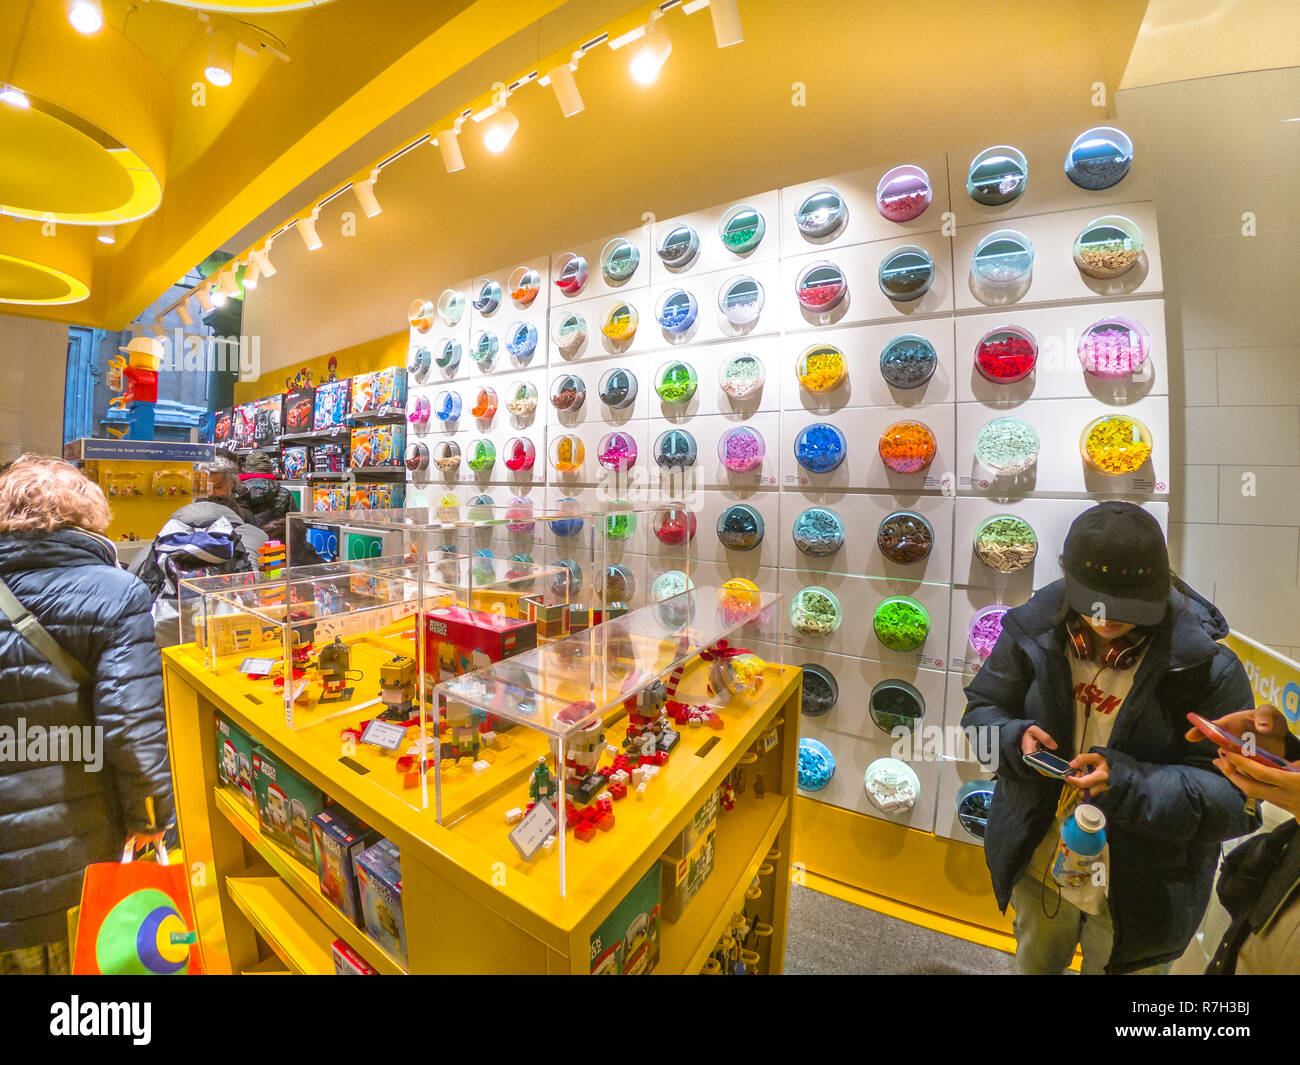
46,645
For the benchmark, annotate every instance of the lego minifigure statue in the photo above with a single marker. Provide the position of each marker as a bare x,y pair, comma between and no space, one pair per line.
137,377
541,788
463,728
583,750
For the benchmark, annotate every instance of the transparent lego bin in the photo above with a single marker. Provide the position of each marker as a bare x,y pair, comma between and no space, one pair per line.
607,732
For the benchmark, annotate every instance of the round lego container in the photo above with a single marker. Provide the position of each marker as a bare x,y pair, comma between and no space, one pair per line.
675,527
1108,247
451,306
620,525
567,526
741,449
901,623
896,704
908,361
524,284
446,456
521,342
1114,347
905,538
487,296
892,786
675,449
678,247
482,455
1115,444
567,453
1006,446
741,229
485,404
618,261
617,585
821,691
523,400
520,454
906,273
815,612
568,392
742,377
740,527
985,628
1006,355
821,215
820,287
677,311
448,356
740,300
417,456
997,175
818,532
903,194
620,322
1005,543
484,350
1004,257
676,382
569,333
616,451
420,315
617,388
820,447
821,369
570,273
907,447
816,765
447,406
1099,158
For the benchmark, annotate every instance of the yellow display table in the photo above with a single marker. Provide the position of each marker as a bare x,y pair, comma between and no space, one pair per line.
472,904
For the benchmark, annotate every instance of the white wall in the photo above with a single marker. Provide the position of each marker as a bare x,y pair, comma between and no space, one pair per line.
33,368
1226,147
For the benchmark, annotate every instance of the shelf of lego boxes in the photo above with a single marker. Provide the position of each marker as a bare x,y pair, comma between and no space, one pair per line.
604,864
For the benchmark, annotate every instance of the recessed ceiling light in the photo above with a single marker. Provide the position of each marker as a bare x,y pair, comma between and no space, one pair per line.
86,16
107,235
14,97
220,70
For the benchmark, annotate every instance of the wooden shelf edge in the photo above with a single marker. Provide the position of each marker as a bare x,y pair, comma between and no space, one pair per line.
305,886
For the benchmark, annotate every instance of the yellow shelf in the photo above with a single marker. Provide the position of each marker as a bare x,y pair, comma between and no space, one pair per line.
305,885
744,836
292,931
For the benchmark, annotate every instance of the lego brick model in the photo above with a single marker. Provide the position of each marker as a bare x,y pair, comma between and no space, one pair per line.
397,689
235,760
285,806
379,877
338,838
232,634
627,942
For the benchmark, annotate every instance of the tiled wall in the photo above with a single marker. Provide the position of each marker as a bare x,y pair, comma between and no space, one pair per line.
1234,337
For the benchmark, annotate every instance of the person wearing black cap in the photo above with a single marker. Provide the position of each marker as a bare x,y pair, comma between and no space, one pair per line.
1102,668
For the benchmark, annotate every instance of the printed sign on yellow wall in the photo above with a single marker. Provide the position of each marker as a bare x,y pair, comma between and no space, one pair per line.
1273,677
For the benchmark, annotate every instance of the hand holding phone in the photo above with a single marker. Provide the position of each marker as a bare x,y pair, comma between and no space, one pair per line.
1049,764
1232,742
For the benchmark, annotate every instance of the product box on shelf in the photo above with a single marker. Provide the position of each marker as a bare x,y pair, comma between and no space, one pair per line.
338,838
268,420
299,410
329,496
376,496
285,806
552,618
683,877
627,941
296,461
333,403
379,876
462,640
328,458
700,825
223,429
235,760
245,425
378,445
347,962
379,390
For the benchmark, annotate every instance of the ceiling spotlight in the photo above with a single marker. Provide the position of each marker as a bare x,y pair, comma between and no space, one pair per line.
157,327
251,274
14,97
183,311
566,89
263,262
229,283
449,145
218,297
651,56
307,228
203,295
220,70
86,16
107,235
500,128
365,193
726,22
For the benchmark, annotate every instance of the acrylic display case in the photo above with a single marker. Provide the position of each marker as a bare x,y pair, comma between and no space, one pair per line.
599,724
821,287
676,382
1108,247
908,361
619,260
906,273
740,300
742,228
742,377
1004,257
903,193
821,215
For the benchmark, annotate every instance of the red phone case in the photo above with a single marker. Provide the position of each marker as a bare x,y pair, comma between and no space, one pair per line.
1224,738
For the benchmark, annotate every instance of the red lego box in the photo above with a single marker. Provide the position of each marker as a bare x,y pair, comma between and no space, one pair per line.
461,640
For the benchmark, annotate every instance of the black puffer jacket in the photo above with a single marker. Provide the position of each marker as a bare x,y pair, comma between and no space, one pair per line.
262,498
57,817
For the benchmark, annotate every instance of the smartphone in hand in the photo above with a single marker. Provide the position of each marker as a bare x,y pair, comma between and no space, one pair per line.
1051,764
1232,742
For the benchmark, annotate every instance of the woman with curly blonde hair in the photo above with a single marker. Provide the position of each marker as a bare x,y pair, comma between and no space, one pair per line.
103,682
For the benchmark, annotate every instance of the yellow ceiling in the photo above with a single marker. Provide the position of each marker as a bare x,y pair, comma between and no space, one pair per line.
255,152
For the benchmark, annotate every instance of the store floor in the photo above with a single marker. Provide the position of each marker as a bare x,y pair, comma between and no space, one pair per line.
828,936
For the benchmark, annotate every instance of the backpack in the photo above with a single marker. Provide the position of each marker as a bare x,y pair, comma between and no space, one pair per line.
1255,883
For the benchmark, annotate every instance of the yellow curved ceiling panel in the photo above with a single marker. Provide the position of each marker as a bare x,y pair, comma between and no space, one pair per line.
98,153
43,270
247,7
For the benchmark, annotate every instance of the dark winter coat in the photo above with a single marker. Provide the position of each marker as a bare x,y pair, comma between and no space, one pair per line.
57,817
262,499
1167,808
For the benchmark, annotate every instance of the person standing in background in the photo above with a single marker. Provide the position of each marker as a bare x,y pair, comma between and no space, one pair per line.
259,495
105,679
